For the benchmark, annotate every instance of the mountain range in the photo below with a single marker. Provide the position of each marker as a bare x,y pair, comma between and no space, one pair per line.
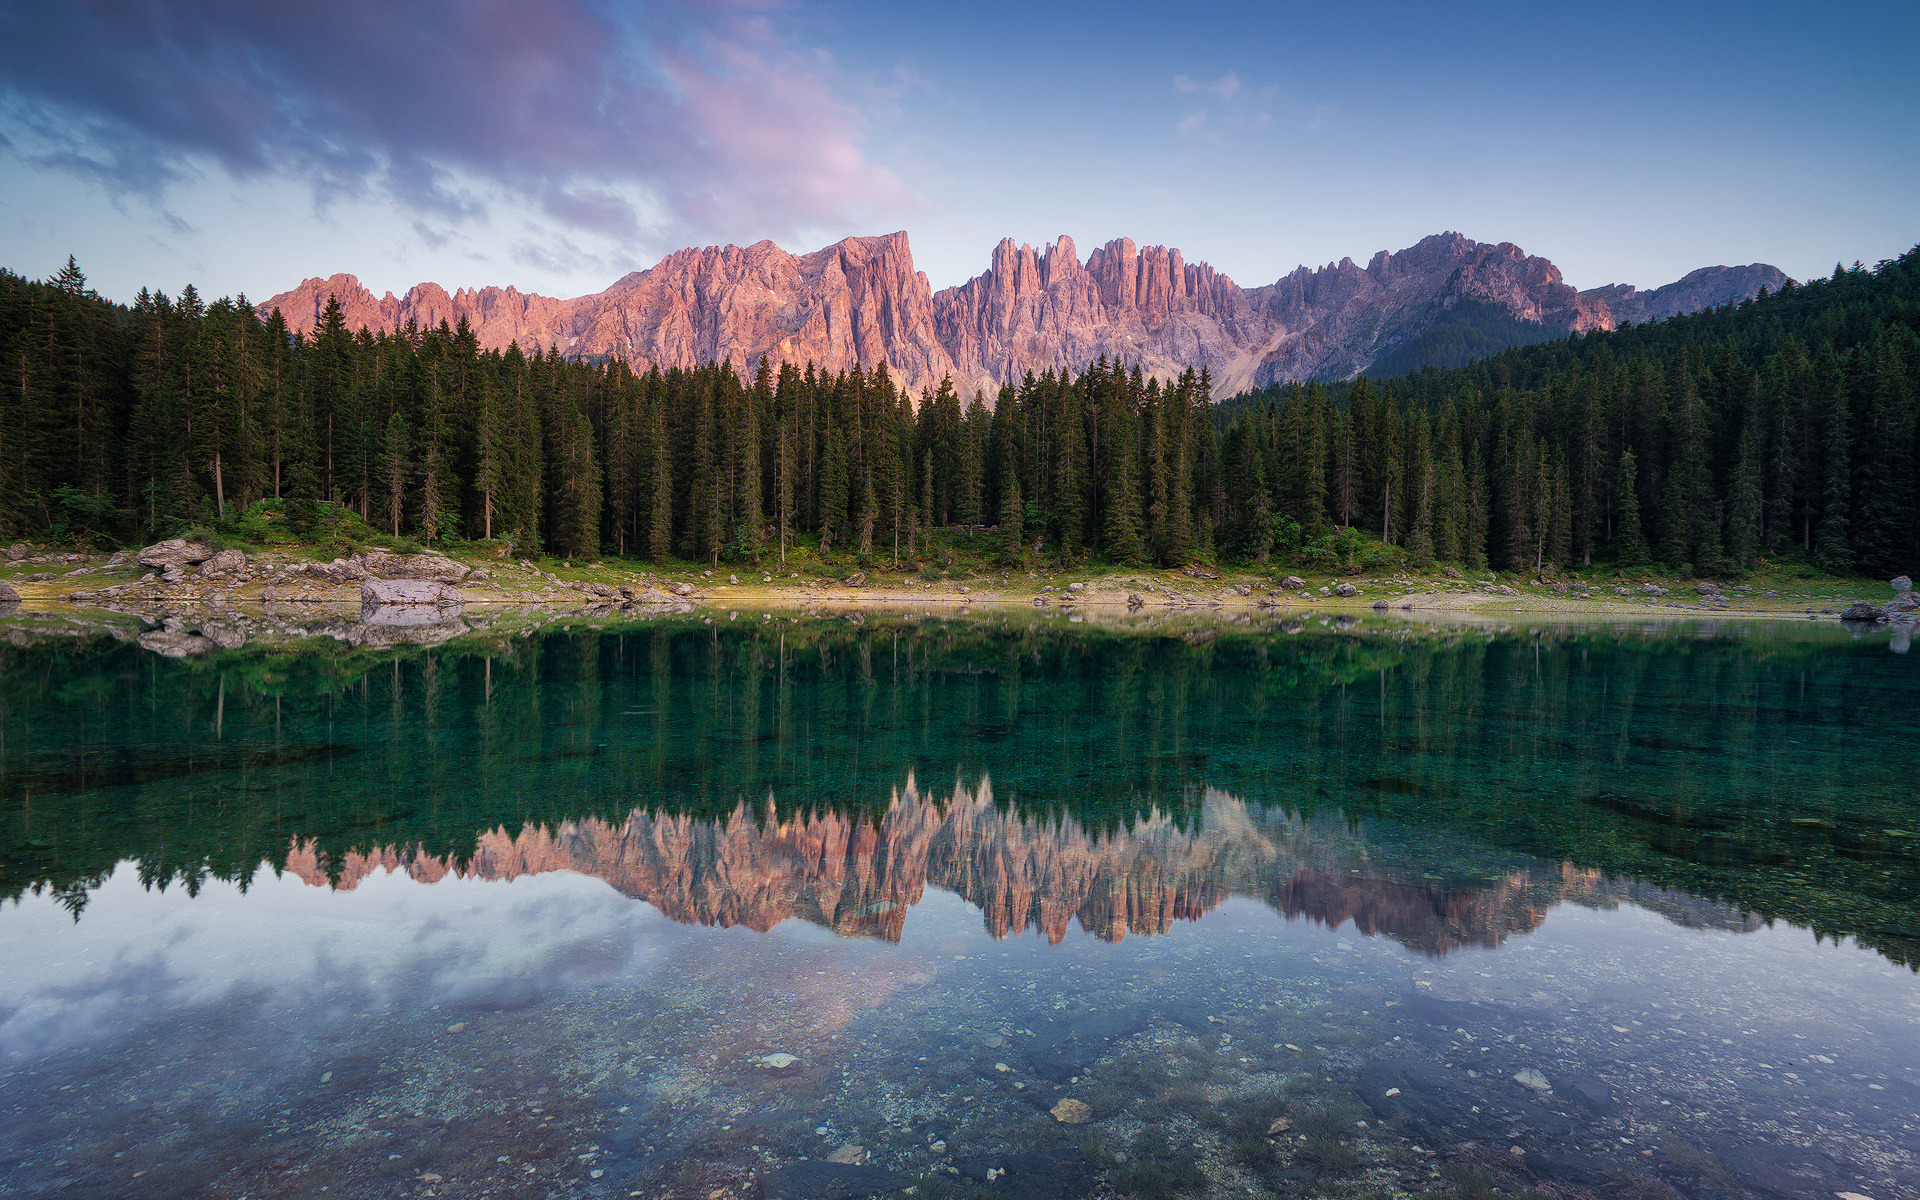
861,302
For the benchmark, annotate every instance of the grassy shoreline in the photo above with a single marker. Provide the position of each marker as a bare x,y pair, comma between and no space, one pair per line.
954,565
44,575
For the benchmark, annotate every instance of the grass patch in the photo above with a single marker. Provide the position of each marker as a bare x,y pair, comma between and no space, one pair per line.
1326,1154
1154,1169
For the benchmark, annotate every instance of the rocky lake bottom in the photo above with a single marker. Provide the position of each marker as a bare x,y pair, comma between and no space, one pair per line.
952,910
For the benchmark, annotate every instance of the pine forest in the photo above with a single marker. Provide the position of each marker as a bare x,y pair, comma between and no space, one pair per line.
1781,426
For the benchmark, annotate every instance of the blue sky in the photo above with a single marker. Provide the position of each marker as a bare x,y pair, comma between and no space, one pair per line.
241,145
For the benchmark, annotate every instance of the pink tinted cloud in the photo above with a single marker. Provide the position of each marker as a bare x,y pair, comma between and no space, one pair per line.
663,120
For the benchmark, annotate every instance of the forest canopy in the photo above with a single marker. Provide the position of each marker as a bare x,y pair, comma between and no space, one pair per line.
1784,424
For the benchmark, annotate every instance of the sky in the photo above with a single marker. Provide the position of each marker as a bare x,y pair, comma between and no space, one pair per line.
555,145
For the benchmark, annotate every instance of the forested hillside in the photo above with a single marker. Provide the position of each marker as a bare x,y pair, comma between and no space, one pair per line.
1473,328
1782,423
1701,442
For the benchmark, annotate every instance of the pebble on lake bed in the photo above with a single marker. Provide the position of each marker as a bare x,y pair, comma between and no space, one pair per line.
1072,1112
1532,1079
777,1062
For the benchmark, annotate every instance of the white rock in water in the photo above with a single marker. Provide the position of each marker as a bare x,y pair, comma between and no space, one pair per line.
777,1062
1532,1079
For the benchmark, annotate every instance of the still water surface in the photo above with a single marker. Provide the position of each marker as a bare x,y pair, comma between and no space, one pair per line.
791,906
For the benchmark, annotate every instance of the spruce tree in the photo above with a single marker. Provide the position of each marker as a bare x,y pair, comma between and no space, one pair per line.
833,490
1629,544
660,463
394,461
1744,497
1012,524
1831,545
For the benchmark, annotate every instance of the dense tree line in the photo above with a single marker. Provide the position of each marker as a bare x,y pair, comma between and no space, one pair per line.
1703,442
1783,423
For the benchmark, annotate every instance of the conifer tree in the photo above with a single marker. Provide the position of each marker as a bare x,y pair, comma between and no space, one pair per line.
833,490
1012,523
1478,511
1831,545
1744,499
750,515
660,477
1559,541
394,462
787,400
1884,534
1630,545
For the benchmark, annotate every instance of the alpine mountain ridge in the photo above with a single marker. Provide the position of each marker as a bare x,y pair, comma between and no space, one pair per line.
860,302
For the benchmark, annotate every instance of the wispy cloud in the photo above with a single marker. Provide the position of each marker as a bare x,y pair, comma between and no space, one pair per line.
1238,108
635,124
1226,87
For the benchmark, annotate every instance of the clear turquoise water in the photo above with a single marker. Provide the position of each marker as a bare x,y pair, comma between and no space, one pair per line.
1281,908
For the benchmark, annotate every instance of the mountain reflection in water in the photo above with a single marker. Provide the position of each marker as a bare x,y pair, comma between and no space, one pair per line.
1764,768
861,876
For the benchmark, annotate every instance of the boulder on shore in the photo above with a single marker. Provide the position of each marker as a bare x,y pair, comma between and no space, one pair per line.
376,592
1862,611
224,560
174,554
434,568
1345,589
8,595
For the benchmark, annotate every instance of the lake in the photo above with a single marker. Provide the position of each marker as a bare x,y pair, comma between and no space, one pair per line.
825,904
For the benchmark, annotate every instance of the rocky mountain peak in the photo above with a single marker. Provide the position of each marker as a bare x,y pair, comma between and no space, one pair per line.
1696,291
861,301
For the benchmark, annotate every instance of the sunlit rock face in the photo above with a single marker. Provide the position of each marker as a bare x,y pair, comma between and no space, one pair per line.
857,303
861,303
860,877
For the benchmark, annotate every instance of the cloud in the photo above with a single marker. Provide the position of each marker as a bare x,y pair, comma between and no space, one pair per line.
638,123
1239,109
1226,87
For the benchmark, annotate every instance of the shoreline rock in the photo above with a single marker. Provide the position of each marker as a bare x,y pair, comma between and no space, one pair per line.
376,593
